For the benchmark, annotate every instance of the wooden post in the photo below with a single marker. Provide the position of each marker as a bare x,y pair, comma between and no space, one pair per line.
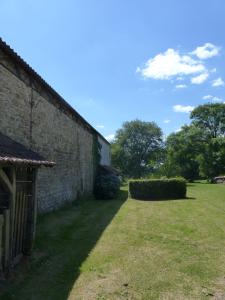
1,244
12,212
32,217
6,237
34,196
5,180
10,185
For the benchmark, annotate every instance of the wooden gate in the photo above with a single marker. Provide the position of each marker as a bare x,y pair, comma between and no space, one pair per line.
19,213
22,214
19,226
18,205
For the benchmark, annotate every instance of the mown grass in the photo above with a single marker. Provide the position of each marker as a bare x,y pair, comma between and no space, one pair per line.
128,249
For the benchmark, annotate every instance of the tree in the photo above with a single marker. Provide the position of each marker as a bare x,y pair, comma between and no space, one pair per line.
212,159
198,149
183,149
135,145
211,118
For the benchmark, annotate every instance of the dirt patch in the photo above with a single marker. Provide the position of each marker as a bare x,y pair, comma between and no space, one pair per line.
219,293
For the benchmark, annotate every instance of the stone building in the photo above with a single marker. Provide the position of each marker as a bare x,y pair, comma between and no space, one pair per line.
33,114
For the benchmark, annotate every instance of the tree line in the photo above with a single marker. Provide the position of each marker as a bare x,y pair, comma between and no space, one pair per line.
196,151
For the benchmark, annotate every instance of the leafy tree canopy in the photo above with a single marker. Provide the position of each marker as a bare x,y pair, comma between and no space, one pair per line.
183,149
212,158
136,144
211,118
196,150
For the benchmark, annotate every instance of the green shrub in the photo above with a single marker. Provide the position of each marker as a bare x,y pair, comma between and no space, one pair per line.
106,186
154,189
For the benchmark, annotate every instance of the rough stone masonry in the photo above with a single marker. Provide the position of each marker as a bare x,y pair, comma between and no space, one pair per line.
33,114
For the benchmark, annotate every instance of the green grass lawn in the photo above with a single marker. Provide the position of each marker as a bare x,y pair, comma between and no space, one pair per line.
128,249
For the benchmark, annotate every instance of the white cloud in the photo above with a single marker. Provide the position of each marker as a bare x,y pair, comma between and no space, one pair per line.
181,86
166,121
212,98
178,130
217,99
200,78
110,137
171,64
183,108
206,51
207,97
100,126
218,82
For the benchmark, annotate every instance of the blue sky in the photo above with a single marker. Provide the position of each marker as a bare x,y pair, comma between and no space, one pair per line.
116,61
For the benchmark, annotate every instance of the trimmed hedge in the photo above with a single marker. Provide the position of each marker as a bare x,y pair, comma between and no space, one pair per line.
154,189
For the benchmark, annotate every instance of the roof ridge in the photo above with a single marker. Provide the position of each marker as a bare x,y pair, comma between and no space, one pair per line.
16,153
62,101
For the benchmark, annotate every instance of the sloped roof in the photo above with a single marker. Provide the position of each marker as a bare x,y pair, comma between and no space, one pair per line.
61,102
15,153
109,169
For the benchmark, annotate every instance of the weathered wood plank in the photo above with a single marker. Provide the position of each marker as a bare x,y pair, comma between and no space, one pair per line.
12,211
5,180
22,224
31,217
1,242
6,238
15,226
35,205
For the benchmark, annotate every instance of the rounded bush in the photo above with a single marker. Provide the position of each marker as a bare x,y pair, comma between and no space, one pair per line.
106,186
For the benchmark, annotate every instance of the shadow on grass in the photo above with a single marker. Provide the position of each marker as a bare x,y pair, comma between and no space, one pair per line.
190,198
64,240
190,185
162,200
200,181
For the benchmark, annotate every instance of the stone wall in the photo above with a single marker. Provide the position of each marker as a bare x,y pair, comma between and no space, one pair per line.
30,115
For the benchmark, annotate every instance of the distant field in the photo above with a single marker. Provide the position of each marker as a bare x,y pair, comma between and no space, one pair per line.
129,249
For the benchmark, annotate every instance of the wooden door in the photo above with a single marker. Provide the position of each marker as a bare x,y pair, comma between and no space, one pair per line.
18,207
20,225
22,214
